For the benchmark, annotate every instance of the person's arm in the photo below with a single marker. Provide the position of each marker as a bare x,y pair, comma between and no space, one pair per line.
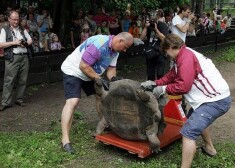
159,34
185,27
167,78
88,70
4,44
10,43
187,70
90,57
144,33
50,22
111,72
88,20
28,37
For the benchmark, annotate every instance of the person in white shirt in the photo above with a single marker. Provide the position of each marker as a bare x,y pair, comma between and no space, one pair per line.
181,22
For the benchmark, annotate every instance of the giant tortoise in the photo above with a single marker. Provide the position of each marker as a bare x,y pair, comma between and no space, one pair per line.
129,111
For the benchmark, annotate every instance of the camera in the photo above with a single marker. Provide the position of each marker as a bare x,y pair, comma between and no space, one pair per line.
152,24
23,42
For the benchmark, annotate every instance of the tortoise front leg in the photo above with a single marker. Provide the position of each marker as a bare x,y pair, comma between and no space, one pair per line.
151,132
102,124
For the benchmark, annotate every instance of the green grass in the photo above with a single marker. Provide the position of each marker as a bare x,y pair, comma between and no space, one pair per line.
227,54
224,55
42,150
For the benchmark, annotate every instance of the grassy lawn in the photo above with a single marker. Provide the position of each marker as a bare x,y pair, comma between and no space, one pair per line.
36,149
42,149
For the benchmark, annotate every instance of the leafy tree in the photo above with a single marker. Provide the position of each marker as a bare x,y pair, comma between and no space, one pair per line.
136,5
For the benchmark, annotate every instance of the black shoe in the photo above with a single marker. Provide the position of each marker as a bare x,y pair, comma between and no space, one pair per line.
22,104
2,108
68,148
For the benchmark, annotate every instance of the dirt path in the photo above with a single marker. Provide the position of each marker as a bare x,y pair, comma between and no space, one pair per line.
45,103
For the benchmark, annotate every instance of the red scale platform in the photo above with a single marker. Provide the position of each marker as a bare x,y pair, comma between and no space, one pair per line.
174,118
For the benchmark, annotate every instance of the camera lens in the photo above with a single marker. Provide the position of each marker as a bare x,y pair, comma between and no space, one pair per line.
152,24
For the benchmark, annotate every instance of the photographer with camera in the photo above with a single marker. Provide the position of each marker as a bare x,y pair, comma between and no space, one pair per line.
14,40
153,33
181,22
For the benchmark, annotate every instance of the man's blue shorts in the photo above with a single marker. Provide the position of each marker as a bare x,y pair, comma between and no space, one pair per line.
73,86
203,117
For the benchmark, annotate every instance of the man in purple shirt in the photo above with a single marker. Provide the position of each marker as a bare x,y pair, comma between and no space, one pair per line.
85,64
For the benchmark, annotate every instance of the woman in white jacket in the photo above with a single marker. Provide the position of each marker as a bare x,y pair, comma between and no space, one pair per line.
196,78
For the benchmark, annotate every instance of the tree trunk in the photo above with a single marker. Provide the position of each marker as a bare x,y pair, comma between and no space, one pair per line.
62,16
193,5
199,6
93,5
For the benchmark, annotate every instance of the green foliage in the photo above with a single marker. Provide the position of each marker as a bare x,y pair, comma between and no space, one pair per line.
136,5
82,4
119,4
228,11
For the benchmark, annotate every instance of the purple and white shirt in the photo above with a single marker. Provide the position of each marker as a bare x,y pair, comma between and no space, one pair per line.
96,51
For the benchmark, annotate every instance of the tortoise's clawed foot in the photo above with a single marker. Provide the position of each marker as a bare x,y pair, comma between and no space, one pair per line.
155,148
98,81
94,134
154,142
101,126
144,96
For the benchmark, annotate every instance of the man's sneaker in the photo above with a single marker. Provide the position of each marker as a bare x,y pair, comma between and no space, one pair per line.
22,104
2,108
68,148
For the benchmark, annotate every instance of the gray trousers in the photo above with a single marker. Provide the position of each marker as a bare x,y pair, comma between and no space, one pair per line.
16,73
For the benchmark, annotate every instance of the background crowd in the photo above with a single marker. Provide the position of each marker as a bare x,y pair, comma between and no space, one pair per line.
39,24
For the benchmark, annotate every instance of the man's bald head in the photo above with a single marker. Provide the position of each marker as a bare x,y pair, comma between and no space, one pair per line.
126,36
122,41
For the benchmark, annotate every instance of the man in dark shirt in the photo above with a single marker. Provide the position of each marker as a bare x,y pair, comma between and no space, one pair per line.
153,33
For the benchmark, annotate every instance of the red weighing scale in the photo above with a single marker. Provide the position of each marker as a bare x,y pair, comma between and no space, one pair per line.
174,117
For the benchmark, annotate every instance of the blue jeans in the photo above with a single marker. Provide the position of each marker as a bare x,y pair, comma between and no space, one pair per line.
203,117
